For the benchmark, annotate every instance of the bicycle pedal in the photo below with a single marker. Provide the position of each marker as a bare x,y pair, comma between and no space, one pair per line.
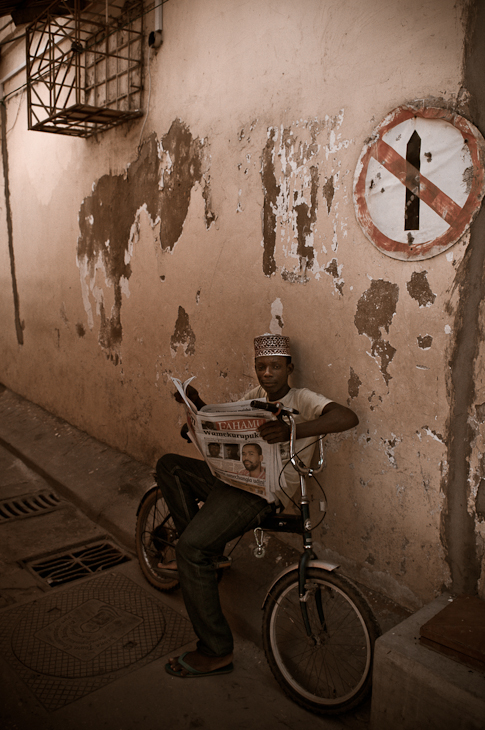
223,562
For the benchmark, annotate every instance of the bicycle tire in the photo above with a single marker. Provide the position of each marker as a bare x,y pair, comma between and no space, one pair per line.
155,539
330,672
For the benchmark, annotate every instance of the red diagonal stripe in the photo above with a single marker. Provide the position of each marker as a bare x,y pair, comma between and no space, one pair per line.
429,193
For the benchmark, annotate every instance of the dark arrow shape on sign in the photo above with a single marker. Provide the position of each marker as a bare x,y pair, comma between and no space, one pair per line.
413,158
407,173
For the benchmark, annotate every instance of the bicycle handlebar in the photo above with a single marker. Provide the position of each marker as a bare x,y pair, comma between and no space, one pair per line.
280,410
275,408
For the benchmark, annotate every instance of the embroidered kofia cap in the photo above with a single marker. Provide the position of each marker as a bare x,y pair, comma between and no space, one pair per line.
269,345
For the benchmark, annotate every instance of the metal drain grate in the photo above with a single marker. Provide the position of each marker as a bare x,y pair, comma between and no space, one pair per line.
77,563
18,508
79,639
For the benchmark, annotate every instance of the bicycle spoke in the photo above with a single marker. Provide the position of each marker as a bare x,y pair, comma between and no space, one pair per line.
330,667
155,540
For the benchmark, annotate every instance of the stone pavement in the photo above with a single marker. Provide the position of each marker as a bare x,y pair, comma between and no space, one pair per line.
107,486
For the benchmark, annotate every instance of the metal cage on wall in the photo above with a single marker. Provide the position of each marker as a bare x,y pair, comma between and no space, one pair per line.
85,66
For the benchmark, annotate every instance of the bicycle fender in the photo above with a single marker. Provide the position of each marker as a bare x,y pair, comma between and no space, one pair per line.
148,492
322,564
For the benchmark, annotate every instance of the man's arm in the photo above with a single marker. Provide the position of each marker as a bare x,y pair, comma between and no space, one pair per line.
334,419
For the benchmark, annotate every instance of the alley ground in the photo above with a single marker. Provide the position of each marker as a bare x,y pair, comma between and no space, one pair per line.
46,686
85,513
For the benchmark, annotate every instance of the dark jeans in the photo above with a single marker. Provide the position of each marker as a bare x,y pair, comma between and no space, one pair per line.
227,512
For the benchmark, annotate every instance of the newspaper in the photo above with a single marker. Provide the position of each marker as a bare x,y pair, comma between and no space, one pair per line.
227,438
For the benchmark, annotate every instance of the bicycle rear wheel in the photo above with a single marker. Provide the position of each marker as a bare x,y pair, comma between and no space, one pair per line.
155,539
330,671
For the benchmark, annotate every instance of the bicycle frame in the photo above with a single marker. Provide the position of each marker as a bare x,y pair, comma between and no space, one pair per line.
308,557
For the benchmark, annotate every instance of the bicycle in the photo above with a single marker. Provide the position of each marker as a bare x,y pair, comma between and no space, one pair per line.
318,629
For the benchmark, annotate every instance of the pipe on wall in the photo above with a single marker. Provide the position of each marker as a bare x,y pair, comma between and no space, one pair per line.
9,76
19,325
155,39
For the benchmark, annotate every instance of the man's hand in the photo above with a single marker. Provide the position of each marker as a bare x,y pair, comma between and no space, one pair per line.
274,432
334,419
193,395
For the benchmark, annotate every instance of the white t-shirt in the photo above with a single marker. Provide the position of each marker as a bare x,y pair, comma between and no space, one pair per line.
310,406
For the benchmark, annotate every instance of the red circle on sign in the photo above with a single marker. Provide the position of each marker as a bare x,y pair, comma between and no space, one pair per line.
458,217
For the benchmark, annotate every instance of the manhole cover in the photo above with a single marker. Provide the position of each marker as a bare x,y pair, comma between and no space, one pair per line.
28,505
75,641
76,562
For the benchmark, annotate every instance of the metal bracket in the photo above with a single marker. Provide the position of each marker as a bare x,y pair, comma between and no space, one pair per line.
259,551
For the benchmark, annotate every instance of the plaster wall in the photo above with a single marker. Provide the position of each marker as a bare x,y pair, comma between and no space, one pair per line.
164,246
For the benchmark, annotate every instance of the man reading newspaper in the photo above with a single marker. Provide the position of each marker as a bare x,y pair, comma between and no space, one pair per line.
227,512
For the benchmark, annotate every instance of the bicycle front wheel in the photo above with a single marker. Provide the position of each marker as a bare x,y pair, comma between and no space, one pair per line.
155,539
330,670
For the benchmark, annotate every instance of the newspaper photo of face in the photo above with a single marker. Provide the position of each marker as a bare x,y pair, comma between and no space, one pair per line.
232,451
214,450
252,458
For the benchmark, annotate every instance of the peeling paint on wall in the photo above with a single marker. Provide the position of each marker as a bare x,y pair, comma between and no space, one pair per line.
328,191
420,290
433,434
375,310
291,168
371,397
480,500
183,336
333,269
389,449
277,324
424,341
271,192
457,521
353,385
106,222
480,412
183,164
306,216
159,182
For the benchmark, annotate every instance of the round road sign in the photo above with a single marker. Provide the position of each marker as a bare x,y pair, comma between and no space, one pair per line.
419,181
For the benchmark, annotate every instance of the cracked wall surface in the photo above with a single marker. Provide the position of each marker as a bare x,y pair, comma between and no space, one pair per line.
159,183
164,246
375,311
293,161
